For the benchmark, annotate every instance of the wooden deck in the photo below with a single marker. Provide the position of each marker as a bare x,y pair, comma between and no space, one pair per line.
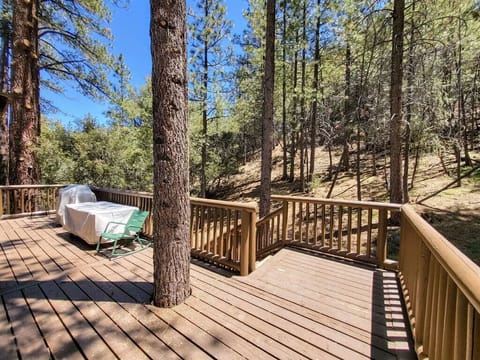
60,300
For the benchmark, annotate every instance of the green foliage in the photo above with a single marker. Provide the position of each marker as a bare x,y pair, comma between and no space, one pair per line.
55,153
74,40
118,156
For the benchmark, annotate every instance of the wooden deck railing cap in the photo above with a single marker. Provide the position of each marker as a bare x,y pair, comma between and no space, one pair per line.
33,186
463,271
236,205
352,203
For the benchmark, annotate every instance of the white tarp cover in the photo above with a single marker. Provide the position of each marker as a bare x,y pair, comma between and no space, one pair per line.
88,220
72,194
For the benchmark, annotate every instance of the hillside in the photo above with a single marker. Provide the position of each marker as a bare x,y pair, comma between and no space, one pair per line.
453,212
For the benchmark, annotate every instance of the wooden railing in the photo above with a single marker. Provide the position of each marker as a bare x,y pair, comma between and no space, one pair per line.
270,232
221,232
352,229
224,232
441,288
19,200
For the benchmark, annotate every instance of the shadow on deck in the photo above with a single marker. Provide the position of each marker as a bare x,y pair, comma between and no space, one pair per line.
60,300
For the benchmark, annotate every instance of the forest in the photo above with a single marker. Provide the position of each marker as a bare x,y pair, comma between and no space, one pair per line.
337,78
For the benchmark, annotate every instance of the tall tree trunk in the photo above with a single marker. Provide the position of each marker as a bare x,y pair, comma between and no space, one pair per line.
302,100
358,169
203,169
396,191
461,100
316,72
267,123
409,106
25,123
5,41
284,91
293,143
171,210
474,120
347,107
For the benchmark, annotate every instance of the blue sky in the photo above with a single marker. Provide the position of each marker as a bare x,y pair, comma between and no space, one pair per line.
130,28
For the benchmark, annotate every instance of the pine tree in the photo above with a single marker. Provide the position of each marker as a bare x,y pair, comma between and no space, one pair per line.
210,56
171,213
268,111
396,112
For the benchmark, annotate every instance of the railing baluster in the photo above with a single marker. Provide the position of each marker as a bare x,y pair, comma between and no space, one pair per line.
449,320
369,233
300,222
340,229
209,223
349,230
359,230
229,235
331,229
192,227
460,332
433,320
307,222
323,225
315,224
221,236
294,228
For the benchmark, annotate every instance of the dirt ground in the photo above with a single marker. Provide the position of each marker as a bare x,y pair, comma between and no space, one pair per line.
454,212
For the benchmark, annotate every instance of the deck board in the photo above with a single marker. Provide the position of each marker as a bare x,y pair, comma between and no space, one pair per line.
61,300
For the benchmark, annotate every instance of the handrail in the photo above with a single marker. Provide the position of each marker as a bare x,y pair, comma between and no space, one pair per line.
442,290
350,203
221,204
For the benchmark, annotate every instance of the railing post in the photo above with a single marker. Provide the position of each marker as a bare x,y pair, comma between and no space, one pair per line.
382,238
253,241
245,243
284,222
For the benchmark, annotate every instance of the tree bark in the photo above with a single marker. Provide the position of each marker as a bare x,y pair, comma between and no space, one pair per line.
294,122
409,107
267,124
347,107
316,72
461,100
171,208
4,62
203,170
302,101
284,92
25,107
396,103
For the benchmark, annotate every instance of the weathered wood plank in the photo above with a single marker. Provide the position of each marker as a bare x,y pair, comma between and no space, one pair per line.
108,298
27,336
114,337
169,336
7,341
85,336
56,336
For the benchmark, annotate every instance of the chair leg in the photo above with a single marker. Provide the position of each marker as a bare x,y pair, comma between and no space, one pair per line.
98,244
114,247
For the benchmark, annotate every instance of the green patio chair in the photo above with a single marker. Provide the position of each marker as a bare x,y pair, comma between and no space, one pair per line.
131,233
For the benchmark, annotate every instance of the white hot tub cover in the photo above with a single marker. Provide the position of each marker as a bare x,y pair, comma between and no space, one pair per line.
72,194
